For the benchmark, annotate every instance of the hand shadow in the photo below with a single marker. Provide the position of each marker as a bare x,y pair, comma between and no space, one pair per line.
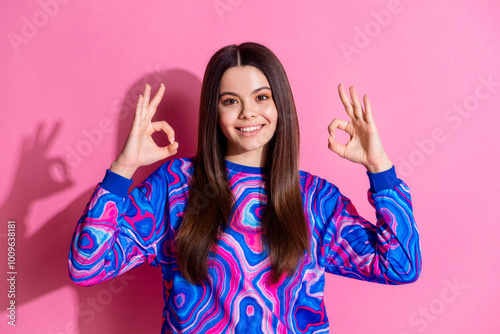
132,302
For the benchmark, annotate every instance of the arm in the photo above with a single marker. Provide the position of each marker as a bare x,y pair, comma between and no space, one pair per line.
118,231
387,252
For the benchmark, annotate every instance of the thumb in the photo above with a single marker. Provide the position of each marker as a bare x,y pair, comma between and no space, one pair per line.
334,146
171,149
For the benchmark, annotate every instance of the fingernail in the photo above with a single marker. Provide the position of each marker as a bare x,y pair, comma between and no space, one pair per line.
162,84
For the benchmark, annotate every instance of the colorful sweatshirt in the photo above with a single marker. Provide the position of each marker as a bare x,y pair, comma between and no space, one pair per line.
119,231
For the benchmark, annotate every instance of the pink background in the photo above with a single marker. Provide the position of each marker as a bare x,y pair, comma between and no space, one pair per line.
70,72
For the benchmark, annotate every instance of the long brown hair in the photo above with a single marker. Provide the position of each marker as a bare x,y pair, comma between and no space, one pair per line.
284,230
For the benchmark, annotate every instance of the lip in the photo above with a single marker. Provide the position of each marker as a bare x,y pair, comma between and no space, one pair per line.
250,134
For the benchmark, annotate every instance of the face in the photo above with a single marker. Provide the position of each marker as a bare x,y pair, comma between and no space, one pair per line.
247,114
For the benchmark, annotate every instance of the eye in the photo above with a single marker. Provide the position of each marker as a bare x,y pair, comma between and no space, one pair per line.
262,97
229,102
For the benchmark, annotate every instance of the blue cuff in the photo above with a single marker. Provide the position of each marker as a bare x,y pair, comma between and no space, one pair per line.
383,180
116,184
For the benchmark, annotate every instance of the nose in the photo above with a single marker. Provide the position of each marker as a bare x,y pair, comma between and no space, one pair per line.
248,111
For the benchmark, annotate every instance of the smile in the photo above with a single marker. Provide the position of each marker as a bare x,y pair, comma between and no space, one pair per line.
250,128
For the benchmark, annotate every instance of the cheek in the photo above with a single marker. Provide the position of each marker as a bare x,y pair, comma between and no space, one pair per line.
220,119
275,123
223,123
272,116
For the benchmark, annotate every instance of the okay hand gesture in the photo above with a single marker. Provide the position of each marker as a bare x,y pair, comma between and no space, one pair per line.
140,148
364,145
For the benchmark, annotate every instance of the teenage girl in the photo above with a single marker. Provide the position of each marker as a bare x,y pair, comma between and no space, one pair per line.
242,237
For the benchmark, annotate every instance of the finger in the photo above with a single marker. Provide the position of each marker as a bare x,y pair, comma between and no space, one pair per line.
165,127
172,148
168,150
334,146
337,124
156,101
147,93
345,101
358,111
368,110
138,111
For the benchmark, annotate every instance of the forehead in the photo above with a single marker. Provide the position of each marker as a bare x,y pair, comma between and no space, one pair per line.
242,78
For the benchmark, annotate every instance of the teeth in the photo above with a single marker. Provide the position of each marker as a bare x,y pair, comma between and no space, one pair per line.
250,128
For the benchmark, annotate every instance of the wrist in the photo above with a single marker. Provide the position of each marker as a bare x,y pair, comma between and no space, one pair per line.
379,167
122,170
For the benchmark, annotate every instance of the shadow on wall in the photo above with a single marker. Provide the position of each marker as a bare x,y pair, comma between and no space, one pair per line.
132,302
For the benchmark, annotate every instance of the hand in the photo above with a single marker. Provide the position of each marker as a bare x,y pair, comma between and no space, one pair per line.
364,145
140,148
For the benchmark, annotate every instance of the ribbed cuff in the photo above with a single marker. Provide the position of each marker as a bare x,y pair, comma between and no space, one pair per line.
116,184
383,180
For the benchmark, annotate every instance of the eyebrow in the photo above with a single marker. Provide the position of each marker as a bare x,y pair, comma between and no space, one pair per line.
253,92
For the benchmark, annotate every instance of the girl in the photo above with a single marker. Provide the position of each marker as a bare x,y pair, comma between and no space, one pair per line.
242,237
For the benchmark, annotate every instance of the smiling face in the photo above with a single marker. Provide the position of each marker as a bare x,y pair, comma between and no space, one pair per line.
247,115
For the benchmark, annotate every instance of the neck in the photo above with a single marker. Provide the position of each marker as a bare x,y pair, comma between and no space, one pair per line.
252,158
